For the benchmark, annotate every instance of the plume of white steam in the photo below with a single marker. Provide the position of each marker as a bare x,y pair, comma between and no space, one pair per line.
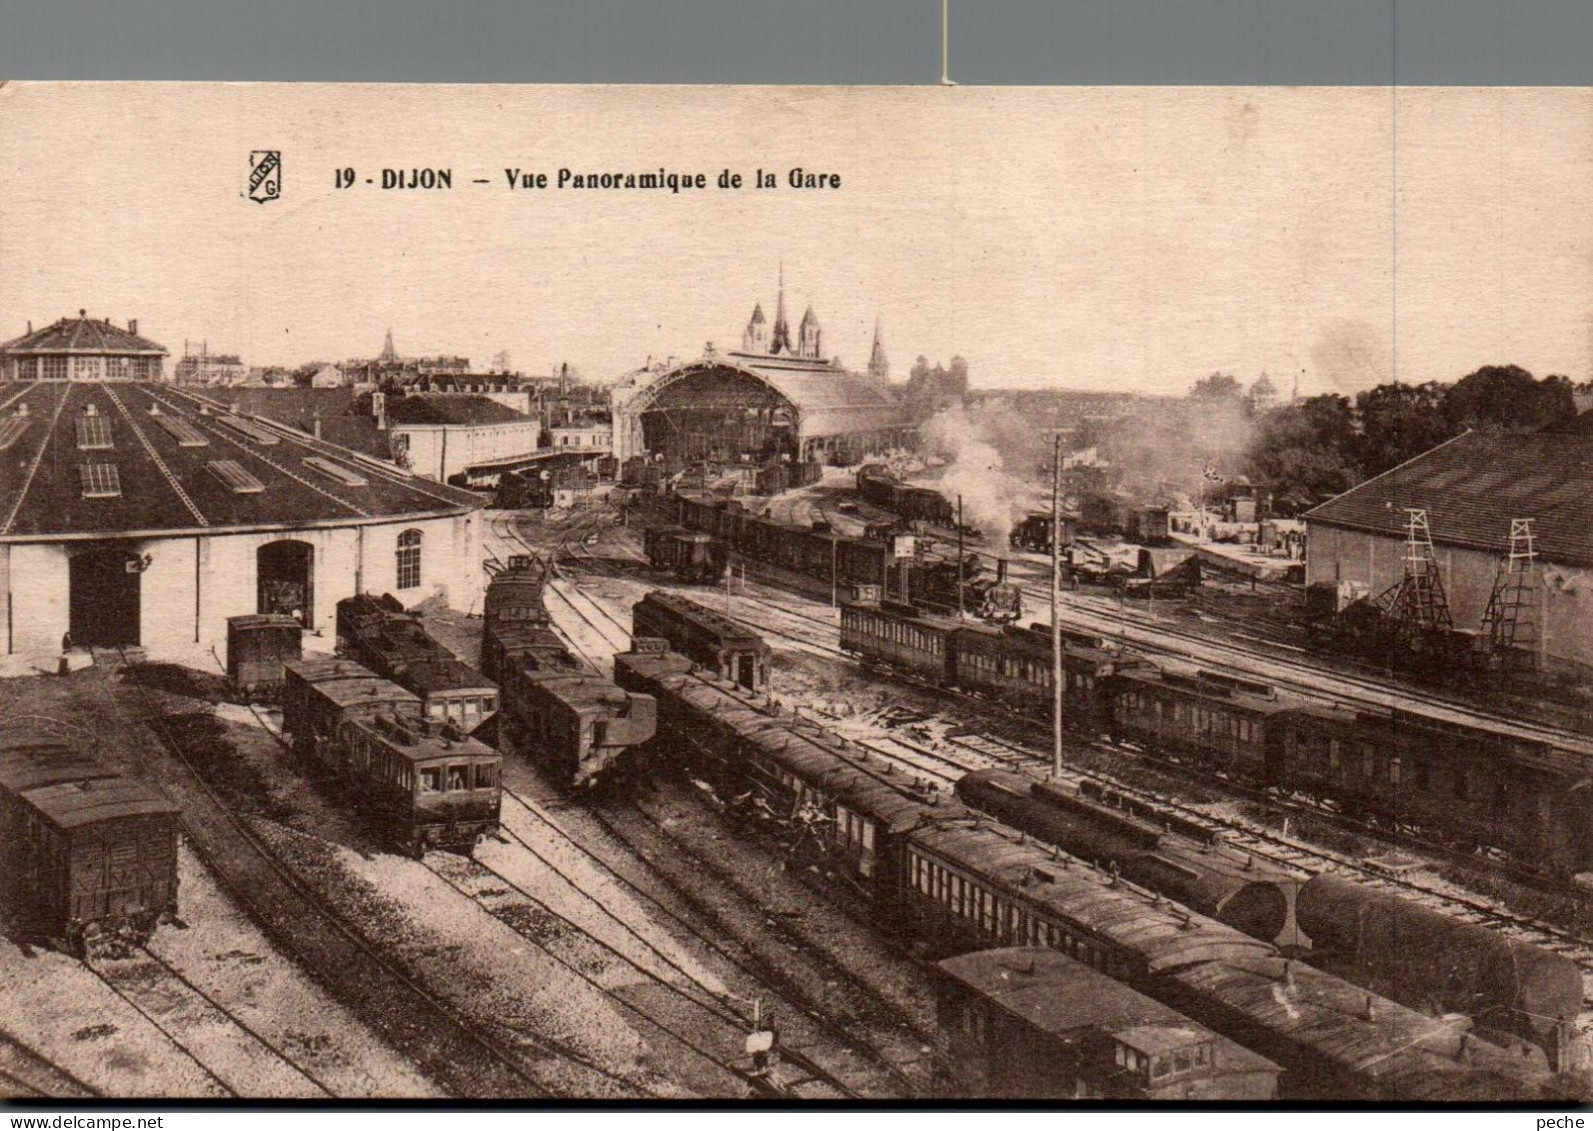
993,499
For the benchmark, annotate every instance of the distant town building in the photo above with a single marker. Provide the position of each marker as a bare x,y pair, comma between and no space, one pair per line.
583,433
509,390
82,349
1263,395
389,367
327,376
202,367
442,435
879,366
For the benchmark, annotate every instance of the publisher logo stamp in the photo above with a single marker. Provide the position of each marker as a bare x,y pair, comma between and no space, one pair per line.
265,175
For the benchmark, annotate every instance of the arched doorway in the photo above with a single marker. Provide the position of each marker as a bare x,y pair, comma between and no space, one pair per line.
286,572
105,585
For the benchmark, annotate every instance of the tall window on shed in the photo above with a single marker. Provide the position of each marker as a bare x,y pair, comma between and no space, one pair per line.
409,559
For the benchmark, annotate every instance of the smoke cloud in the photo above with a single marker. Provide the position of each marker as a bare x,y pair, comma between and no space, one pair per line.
993,498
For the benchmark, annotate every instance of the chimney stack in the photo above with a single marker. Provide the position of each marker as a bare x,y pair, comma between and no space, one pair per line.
1001,569
132,325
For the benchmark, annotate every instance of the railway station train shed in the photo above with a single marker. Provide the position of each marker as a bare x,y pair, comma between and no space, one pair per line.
136,513
1472,489
776,396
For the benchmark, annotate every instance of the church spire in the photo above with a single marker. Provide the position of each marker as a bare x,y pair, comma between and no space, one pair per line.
388,352
879,366
780,338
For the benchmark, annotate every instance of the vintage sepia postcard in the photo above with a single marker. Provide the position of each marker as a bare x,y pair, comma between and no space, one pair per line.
607,593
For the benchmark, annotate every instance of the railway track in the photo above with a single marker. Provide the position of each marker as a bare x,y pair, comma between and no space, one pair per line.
739,950
1281,848
978,752
32,1076
445,1046
149,982
709,1005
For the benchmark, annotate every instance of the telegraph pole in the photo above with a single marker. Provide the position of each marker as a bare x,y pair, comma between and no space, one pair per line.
960,610
1056,602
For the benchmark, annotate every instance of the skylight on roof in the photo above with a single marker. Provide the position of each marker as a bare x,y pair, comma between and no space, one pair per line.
248,429
231,472
345,475
185,432
100,480
94,433
11,428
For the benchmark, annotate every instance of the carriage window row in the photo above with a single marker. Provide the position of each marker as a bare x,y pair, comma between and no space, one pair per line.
899,633
1001,918
460,709
459,777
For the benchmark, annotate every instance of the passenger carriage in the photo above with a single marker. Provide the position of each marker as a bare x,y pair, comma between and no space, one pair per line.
1469,785
1218,721
451,691
901,637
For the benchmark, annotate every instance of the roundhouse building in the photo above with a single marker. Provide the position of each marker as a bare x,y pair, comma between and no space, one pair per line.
139,514
776,396
82,349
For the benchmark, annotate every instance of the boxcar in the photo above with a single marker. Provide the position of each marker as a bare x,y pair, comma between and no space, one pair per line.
257,647
1032,1023
85,850
1034,533
424,788
709,639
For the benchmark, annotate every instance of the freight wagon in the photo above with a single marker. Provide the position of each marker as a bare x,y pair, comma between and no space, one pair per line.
87,853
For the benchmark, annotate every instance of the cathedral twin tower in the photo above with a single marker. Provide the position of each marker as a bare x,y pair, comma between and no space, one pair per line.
760,338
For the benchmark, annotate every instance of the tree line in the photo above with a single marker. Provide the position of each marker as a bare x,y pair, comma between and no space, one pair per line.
1322,446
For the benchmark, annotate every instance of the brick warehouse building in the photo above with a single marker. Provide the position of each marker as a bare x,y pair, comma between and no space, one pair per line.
134,513
1471,488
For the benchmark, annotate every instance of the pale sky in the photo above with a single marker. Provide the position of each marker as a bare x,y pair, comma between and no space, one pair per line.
1113,238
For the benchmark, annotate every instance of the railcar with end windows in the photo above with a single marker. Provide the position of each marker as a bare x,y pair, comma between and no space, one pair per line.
423,787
